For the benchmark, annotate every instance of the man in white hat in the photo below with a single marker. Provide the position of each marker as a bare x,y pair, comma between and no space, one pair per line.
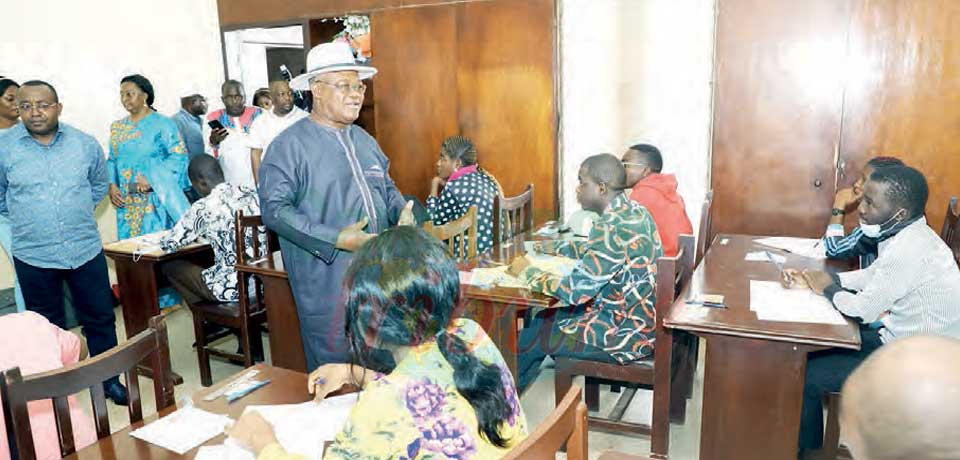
189,119
325,189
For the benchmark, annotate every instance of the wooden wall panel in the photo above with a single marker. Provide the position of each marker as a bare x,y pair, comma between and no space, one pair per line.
245,13
903,95
777,106
415,51
506,88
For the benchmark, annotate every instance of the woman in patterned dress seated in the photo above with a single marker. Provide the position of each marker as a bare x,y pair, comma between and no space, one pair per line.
450,395
464,183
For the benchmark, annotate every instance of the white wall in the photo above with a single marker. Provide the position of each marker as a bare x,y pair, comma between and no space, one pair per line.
637,71
84,48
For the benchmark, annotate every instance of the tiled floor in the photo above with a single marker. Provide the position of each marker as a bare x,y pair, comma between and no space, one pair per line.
537,402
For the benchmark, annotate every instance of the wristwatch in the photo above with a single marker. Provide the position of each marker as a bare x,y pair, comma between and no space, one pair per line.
837,212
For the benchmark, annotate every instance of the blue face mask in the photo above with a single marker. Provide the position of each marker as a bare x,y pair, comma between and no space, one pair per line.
877,230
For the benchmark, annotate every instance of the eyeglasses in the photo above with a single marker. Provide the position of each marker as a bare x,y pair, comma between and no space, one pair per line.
627,163
345,88
42,106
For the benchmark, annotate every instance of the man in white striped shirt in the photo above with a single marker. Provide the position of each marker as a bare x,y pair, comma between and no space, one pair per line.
912,288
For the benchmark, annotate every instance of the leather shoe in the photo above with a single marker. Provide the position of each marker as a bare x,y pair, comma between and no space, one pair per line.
116,392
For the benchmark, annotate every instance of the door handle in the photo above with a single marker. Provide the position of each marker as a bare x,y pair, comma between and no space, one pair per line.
817,183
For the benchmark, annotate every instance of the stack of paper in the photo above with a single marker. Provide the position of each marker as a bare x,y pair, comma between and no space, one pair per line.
807,247
183,430
498,276
302,428
772,302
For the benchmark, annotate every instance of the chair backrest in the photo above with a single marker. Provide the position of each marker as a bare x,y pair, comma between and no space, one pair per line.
456,233
951,228
566,425
512,216
703,236
263,243
17,390
672,274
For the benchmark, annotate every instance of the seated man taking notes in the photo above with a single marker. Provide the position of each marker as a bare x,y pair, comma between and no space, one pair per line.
614,272
857,243
912,288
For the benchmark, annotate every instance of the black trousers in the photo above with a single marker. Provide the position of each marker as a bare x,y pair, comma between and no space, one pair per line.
541,338
827,370
89,287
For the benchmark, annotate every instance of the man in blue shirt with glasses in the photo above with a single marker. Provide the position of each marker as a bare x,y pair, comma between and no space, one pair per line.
51,178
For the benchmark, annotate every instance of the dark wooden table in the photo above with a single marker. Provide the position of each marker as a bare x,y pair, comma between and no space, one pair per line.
753,380
285,387
140,281
286,345
498,309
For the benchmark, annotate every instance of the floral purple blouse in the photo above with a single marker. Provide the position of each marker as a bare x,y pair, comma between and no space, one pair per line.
415,412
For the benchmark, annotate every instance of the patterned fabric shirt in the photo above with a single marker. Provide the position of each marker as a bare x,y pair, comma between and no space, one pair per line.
211,218
472,189
617,272
49,193
416,412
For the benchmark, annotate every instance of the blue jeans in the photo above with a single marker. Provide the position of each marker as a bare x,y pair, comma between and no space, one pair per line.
6,240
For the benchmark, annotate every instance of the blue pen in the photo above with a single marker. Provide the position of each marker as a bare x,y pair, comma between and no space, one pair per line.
239,394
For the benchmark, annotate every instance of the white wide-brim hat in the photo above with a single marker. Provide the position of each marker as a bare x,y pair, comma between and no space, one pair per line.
330,57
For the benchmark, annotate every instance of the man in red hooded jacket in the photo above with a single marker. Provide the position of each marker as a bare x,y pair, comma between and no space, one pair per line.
658,193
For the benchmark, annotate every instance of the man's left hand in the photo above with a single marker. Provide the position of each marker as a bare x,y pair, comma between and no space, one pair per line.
817,280
518,265
406,216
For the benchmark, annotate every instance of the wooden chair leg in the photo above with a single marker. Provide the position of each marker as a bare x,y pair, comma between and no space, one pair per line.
562,381
203,358
591,393
684,369
245,343
831,432
662,394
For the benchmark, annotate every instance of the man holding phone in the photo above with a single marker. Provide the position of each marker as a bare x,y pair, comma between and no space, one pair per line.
227,131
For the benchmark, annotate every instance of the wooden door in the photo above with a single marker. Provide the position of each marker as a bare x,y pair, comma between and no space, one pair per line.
777,106
903,91
481,69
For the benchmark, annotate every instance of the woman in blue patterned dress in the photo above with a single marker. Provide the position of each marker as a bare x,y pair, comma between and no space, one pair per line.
147,167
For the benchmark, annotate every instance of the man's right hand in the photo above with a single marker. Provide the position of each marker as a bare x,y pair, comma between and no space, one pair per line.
845,198
352,237
116,196
218,135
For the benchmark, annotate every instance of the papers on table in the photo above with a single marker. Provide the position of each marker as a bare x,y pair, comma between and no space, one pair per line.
303,428
772,302
229,450
183,430
761,256
487,277
806,247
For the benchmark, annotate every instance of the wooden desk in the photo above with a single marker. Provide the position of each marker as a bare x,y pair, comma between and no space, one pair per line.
753,382
141,279
286,345
285,387
498,309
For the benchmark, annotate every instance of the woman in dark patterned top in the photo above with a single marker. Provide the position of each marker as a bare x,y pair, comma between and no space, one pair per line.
464,184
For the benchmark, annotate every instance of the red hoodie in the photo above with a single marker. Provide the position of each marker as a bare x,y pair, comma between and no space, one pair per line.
658,193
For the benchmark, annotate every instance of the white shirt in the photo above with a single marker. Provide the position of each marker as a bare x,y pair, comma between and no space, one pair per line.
912,288
268,125
234,154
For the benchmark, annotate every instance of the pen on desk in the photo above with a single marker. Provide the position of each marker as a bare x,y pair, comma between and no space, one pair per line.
775,261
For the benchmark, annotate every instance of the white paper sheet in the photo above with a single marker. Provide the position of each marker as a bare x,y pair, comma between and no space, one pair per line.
229,450
761,256
183,430
487,277
303,428
772,302
806,247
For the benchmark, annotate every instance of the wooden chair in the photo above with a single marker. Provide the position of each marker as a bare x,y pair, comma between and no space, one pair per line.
703,236
951,228
454,233
669,374
246,315
17,390
512,216
567,425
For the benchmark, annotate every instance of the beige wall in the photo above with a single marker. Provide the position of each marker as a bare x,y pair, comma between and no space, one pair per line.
637,71
84,48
